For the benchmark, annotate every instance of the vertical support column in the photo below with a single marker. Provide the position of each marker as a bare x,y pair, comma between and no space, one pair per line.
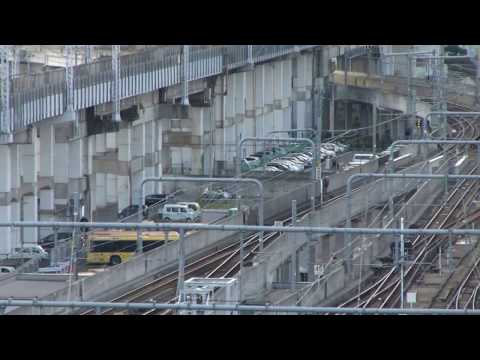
312,256
293,256
30,164
70,114
5,84
5,199
477,79
185,73
89,50
46,172
250,55
116,96
124,158
181,265
374,126
332,109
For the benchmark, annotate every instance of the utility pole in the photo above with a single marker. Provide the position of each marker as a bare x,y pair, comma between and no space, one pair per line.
185,73
69,66
116,96
477,79
88,53
293,271
402,258
76,212
5,84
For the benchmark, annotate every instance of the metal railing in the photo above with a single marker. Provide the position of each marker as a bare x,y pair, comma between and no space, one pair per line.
42,96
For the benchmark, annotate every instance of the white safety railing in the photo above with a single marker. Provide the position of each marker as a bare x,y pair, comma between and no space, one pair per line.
41,96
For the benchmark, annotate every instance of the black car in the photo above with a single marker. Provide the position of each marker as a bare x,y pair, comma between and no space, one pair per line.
49,241
153,199
128,211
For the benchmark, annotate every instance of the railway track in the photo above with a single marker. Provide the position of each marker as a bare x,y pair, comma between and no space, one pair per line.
223,262
467,295
385,290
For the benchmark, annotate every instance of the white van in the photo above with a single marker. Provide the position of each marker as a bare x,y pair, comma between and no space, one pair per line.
29,251
179,212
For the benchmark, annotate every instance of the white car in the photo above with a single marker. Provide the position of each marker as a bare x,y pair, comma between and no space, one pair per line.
328,152
273,169
288,164
362,159
29,251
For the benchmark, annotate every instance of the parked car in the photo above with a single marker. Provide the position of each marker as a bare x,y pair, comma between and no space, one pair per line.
29,251
179,213
217,194
129,211
194,206
7,269
291,166
250,163
265,155
279,151
362,159
269,168
153,199
48,242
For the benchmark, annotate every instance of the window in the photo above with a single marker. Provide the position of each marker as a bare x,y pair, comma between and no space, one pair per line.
174,210
183,210
114,246
150,245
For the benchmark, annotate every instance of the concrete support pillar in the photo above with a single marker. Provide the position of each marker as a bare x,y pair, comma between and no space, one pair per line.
268,116
100,190
278,88
30,162
287,94
250,90
47,160
374,128
332,110
15,215
76,166
101,143
111,188
47,209
198,114
30,211
5,199
124,157
61,164
259,103
149,157
159,147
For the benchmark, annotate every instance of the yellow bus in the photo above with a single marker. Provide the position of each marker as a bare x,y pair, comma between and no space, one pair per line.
116,246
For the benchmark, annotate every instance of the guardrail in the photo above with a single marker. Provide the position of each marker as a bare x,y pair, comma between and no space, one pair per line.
42,96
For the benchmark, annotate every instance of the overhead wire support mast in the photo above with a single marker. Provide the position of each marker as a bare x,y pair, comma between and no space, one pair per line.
116,96
6,127
185,73
69,51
